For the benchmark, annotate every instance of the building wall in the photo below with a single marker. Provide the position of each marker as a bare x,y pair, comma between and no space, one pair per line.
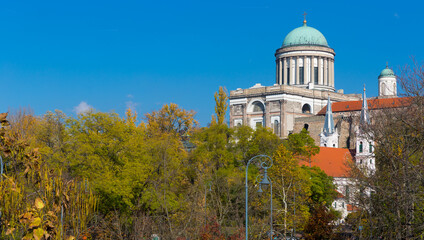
343,124
282,103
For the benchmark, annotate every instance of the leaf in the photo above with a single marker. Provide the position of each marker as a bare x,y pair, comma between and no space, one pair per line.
24,218
39,204
10,230
38,233
35,223
3,116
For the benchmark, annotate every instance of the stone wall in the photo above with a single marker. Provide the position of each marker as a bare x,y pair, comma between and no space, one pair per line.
315,124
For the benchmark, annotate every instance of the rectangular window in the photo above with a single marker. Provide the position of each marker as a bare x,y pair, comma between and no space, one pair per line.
347,192
282,75
316,75
301,75
258,124
288,76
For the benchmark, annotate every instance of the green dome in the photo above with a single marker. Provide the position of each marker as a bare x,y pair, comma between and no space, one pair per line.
305,36
387,72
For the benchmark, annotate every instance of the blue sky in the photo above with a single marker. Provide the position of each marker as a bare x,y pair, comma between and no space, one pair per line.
143,54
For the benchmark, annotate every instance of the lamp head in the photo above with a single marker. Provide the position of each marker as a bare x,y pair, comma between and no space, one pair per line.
260,189
265,180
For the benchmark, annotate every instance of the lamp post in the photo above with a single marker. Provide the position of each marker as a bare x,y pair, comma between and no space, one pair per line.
265,182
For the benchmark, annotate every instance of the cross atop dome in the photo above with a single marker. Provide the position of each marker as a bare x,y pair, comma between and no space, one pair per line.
304,18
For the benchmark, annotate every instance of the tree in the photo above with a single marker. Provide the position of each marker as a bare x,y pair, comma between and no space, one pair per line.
37,201
221,105
392,197
302,145
320,224
292,190
170,119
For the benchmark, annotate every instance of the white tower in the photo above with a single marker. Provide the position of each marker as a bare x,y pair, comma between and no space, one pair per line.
387,83
364,144
329,135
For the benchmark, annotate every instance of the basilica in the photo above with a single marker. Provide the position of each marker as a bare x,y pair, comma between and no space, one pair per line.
304,97
304,82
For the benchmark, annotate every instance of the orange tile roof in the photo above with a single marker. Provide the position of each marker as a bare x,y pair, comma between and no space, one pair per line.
333,161
349,106
351,208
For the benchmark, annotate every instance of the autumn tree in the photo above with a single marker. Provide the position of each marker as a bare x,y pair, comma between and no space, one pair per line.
221,106
38,202
391,198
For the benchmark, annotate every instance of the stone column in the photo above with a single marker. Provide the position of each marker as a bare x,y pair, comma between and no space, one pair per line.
231,116
285,70
297,71
305,70
325,71
244,110
331,83
292,71
267,115
277,69
281,69
312,69
332,67
283,130
319,71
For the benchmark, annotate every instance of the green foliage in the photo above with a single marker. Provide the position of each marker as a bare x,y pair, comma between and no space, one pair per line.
322,186
111,154
34,197
301,144
292,190
144,179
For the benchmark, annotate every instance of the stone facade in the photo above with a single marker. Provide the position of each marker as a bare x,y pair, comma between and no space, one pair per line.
278,106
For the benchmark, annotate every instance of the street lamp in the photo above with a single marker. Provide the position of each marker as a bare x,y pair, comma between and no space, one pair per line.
265,164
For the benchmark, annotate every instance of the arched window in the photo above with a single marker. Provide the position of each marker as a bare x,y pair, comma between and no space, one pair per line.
258,107
306,108
361,147
370,147
306,126
238,124
370,161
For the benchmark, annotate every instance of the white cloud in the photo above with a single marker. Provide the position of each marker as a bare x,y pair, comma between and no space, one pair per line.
83,107
131,105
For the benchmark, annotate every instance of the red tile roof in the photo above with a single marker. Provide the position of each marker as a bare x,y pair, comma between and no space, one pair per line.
333,161
349,106
351,208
